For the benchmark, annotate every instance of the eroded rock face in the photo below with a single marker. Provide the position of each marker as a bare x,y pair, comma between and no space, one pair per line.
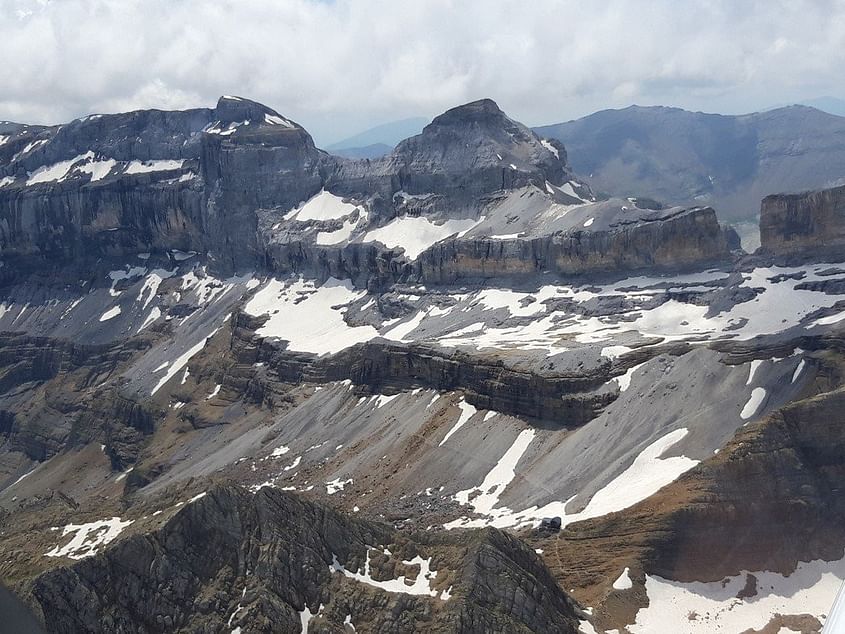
71,405
268,562
569,398
150,180
810,223
464,153
222,181
665,241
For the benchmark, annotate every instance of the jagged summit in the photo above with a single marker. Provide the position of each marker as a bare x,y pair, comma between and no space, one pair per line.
466,152
485,129
479,110
231,109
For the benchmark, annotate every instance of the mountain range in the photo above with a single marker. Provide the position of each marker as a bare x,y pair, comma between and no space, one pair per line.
728,162
687,158
248,385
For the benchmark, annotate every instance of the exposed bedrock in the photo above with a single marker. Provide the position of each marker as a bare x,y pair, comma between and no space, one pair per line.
51,225
570,398
805,224
270,561
688,239
53,395
218,181
466,152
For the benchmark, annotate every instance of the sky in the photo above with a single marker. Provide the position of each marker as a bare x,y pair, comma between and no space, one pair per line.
338,67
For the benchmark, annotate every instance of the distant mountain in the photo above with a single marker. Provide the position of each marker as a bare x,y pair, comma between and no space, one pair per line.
728,162
376,150
385,134
831,105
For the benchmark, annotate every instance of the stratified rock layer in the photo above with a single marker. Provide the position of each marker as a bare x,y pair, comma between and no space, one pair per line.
809,224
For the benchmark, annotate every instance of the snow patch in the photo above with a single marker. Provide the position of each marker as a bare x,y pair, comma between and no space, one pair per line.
467,412
310,318
181,361
551,148
336,485
809,589
56,172
416,234
758,394
624,582
111,313
322,206
645,476
144,167
87,538
420,585
499,477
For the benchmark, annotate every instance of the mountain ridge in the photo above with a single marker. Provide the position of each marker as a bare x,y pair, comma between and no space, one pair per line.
727,161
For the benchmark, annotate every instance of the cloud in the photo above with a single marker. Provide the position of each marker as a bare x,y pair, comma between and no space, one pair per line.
337,66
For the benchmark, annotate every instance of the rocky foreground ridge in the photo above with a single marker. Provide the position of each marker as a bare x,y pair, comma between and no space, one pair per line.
282,564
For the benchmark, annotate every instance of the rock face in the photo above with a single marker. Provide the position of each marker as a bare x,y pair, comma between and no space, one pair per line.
524,390
463,154
729,162
119,184
224,182
72,405
810,223
16,616
275,563
668,241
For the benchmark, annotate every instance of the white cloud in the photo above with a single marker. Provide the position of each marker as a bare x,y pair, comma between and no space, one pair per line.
335,66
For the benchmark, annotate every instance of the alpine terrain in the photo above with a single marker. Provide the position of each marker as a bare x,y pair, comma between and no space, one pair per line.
729,162
250,386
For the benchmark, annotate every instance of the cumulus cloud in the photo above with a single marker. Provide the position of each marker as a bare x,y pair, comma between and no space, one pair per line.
337,66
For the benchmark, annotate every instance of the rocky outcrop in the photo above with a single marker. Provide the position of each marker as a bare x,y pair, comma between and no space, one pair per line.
116,185
273,562
463,154
568,397
665,241
810,223
221,181
681,239
54,395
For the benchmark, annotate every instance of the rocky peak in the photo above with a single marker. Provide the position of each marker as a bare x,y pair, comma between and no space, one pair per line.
265,562
496,140
235,110
481,111
464,154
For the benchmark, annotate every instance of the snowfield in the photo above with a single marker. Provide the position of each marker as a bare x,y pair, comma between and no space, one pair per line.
416,234
714,607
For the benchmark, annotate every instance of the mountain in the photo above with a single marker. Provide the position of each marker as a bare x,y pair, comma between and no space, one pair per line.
290,563
250,386
727,162
389,134
831,105
376,150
